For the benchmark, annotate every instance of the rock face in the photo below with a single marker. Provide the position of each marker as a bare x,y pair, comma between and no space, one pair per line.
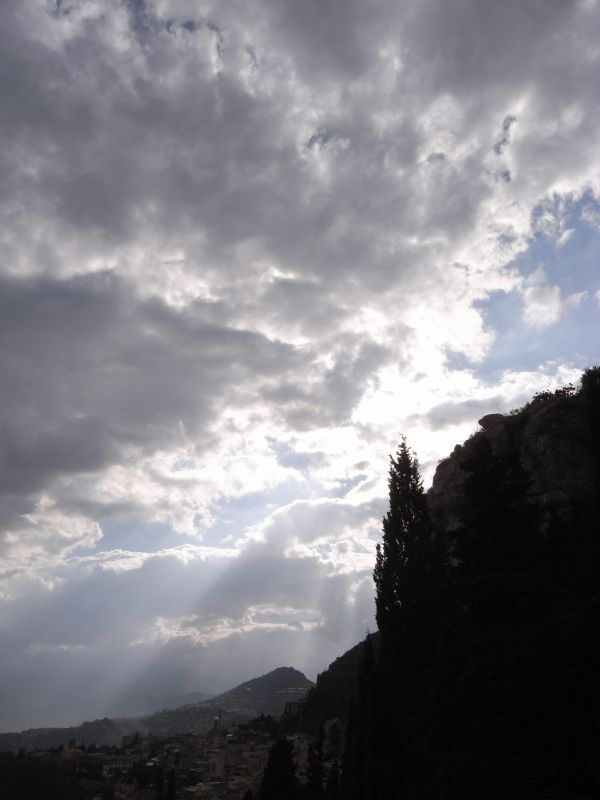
550,440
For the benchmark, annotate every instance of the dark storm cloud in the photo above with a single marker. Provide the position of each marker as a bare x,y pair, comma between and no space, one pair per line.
189,140
122,141
88,370
326,44
94,376
127,141
170,137
471,45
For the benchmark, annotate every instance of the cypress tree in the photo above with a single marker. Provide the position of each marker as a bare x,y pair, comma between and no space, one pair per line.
407,571
404,562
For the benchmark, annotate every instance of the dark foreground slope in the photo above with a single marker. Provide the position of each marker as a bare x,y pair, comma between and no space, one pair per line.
487,684
332,695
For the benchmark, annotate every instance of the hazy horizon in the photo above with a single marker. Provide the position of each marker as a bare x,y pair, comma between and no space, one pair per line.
72,710
246,247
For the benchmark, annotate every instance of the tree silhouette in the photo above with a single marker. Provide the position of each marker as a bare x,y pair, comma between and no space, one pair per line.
407,575
404,564
279,779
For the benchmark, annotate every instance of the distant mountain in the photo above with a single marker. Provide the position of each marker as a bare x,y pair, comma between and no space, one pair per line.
133,705
72,708
267,694
100,731
280,684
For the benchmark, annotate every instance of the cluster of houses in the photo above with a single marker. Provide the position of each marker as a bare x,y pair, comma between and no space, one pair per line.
218,765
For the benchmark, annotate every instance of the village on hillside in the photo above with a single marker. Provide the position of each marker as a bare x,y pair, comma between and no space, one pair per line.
221,764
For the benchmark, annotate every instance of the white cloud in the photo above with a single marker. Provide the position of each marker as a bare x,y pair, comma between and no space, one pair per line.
198,630
543,303
119,561
565,236
43,539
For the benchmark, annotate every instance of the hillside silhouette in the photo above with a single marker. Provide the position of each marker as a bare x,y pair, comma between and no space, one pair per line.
482,679
488,605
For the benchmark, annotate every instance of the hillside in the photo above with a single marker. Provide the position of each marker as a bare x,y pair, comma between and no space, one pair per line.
332,694
488,599
276,687
267,694
100,732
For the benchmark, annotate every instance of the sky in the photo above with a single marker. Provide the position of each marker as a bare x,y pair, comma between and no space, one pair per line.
245,247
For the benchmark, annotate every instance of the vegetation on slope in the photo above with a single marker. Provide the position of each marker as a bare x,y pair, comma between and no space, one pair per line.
486,684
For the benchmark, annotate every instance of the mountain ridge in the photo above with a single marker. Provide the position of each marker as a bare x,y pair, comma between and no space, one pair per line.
268,693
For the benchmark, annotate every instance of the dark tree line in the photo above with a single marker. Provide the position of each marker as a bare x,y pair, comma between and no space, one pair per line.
30,776
280,781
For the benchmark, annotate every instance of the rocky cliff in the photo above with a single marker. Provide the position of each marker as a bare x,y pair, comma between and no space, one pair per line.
551,441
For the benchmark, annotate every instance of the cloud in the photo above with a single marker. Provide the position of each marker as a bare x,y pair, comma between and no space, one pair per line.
181,618
200,630
118,561
243,250
96,379
42,539
543,303
452,413
339,534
